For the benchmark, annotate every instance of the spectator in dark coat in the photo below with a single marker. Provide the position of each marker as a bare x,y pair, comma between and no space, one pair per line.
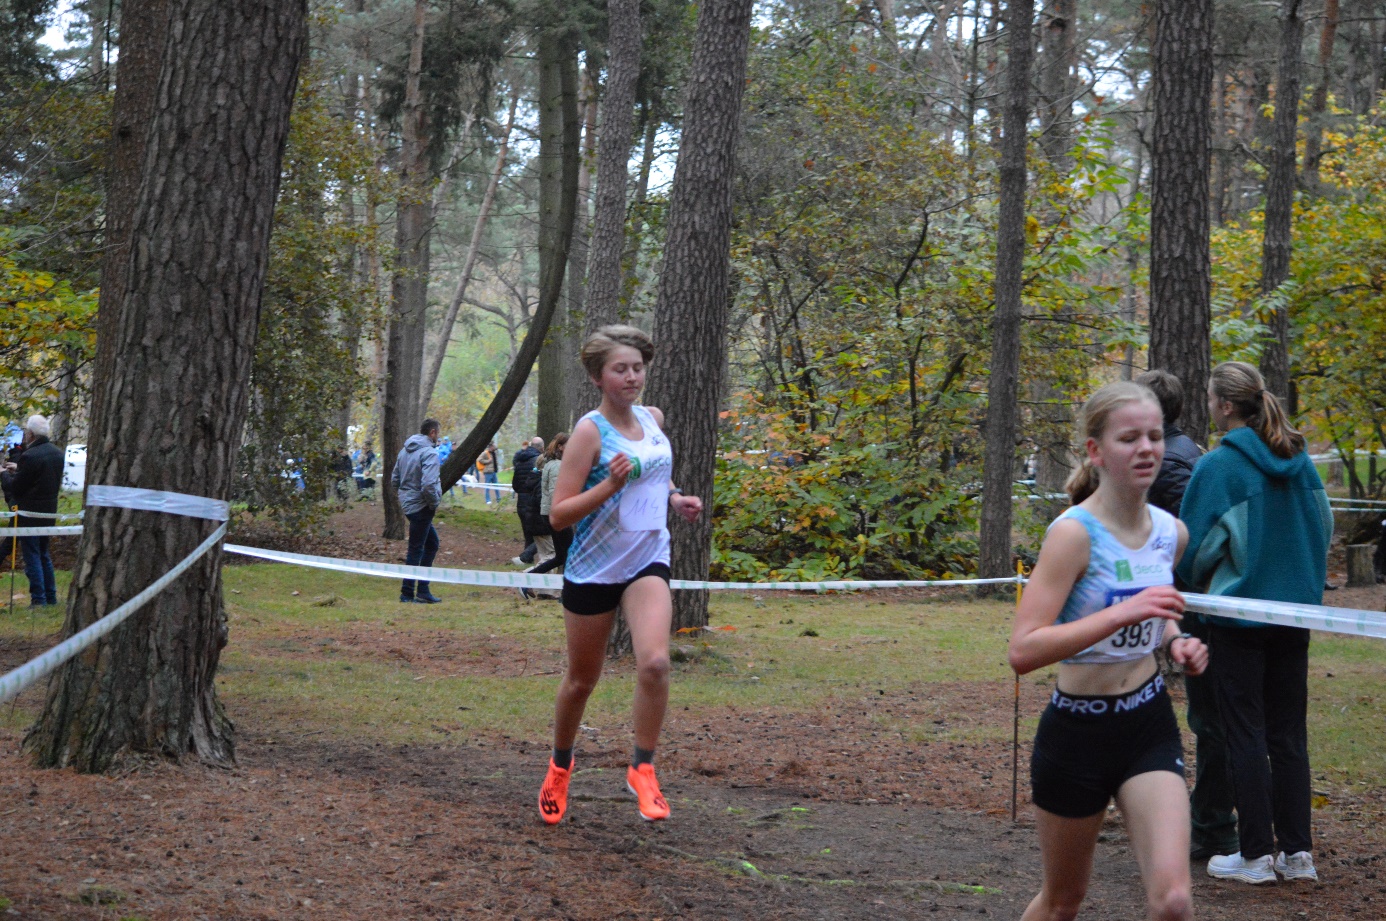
525,481
36,480
1181,451
1211,805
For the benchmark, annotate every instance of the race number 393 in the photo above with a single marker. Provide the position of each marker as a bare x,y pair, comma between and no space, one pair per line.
1135,636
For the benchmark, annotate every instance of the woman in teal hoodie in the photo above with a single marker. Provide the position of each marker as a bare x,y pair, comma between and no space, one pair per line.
1259,527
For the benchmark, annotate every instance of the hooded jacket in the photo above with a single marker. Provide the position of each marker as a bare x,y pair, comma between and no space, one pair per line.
1259,525
416,475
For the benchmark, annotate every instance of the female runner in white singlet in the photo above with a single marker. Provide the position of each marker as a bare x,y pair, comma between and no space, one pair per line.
614,487
1100,601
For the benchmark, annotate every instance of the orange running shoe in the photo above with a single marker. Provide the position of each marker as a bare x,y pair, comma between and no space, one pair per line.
553,795
641,781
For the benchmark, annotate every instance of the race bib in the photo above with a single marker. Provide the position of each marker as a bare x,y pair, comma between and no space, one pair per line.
1134,639
644,506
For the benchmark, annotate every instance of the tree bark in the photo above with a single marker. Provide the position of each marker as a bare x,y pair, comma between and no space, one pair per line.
144,26
613,156
459,294
1058,86
176,398
1002,390
409,286
1280,196
1180,311
691,312
578,392
559,155
1318,103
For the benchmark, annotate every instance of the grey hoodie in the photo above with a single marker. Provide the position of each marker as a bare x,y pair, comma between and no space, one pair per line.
416,475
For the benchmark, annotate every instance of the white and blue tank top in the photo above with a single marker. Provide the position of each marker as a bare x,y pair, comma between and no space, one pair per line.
630,530
1116,572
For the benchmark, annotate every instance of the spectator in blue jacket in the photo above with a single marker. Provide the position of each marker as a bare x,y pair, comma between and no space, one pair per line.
1259,527
415,479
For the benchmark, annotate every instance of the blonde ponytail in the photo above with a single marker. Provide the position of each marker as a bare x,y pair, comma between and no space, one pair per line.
1082,482
1241,385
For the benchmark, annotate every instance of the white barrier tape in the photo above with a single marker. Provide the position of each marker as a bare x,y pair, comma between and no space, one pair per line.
53,515
400,571
527,580
1312,616
58,531
153,500
39,668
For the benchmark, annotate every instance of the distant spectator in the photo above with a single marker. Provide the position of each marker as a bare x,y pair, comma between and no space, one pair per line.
525,481
562,538
488,469
415,479
445,449
36,480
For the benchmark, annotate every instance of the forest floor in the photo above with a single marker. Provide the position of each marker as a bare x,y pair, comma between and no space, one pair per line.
825,758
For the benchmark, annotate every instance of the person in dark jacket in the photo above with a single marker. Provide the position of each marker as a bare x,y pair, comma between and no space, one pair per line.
525,481
1259,527
1212,811
36,480
415,479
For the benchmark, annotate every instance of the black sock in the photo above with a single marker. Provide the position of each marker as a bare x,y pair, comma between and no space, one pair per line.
642,756
563,758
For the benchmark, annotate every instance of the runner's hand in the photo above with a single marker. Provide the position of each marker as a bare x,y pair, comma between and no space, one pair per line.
688,507
1155,601
1191,653
620,471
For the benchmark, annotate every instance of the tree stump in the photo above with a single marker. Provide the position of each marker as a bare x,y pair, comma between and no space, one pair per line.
1360,571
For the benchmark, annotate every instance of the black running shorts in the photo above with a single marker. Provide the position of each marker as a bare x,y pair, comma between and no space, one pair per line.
599,597
1087,747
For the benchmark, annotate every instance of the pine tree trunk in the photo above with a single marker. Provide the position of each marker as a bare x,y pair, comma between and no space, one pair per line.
143,26
1318,104
1002,389
176,398
1059,56
1180,312
613,155
409,286
691,313
1280,196
559,154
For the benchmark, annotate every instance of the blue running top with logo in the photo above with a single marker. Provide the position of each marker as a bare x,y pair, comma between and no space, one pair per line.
628,531
1116,572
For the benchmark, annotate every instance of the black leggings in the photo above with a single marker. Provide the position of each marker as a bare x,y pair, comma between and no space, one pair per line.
562,540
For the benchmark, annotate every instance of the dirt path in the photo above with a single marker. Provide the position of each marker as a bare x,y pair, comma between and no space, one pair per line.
304,829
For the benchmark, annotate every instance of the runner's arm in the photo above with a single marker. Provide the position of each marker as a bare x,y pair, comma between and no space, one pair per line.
571,503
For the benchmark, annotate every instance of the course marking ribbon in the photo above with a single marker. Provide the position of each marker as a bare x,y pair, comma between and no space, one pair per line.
527,580
39,668
153,500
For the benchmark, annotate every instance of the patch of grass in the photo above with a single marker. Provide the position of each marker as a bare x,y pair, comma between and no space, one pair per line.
288,665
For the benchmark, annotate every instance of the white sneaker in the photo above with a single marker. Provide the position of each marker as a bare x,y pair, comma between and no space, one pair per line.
1257,871
1296,866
